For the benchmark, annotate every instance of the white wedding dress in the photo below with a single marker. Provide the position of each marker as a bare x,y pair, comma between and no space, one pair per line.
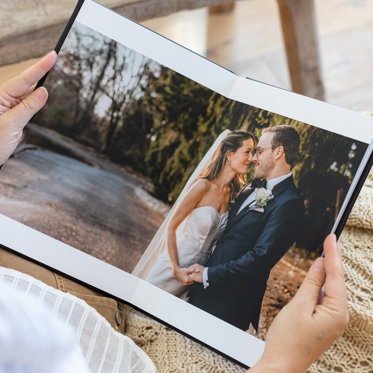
194,237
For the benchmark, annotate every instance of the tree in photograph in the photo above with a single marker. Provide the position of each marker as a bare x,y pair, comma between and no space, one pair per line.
128,82
325,170
96,78
76,83
133,135
179,107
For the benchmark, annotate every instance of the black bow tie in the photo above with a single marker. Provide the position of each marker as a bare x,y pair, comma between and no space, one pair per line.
259,183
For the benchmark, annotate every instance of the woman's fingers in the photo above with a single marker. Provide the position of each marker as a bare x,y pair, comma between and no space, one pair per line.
191,269
335,299
308,293
20,85
334,283
326,271
15,119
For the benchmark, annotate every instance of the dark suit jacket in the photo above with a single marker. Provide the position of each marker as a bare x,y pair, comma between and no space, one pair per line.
252,243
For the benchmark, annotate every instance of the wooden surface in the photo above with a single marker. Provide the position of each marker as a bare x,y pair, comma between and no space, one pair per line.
302,46
248,40
31,28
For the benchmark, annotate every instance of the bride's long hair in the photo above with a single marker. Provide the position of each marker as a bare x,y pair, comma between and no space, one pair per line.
215,166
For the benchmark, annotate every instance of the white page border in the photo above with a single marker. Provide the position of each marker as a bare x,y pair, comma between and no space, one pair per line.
199,324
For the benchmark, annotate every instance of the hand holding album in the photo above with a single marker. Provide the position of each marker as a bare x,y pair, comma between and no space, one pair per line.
307,323
19,103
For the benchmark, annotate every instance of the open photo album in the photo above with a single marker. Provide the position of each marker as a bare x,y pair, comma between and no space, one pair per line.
195,195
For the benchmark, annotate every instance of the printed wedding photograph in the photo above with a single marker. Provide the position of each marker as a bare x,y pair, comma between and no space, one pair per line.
219,203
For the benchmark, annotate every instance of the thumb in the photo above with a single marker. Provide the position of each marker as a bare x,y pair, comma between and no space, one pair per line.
21,114
308,293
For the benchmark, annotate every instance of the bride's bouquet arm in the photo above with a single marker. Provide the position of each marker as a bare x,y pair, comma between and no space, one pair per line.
186,206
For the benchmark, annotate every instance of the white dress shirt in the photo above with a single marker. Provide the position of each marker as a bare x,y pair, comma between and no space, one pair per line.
270,185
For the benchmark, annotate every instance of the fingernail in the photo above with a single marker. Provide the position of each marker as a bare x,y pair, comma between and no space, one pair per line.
50,53
335,244
318,265
41,93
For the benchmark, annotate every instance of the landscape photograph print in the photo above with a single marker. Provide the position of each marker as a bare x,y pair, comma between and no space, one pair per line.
220,203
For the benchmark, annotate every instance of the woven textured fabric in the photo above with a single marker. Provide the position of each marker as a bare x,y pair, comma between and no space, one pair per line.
353,352
171,351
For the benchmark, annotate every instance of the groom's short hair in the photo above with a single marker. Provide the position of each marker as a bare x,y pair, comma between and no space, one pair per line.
288,138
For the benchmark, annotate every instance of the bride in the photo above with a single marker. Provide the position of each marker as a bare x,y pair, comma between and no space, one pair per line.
199,215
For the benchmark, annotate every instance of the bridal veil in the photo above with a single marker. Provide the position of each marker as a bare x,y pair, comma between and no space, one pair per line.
157,244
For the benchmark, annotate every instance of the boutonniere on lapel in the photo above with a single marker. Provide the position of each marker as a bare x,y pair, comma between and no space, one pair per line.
262,196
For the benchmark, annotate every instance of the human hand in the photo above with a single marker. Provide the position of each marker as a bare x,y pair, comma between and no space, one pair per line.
196,273
182,275
307,326
19,103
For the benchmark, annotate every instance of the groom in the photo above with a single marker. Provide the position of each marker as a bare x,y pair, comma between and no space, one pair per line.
262,225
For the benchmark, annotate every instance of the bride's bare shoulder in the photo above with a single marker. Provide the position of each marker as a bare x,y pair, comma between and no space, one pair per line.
202,185
196,191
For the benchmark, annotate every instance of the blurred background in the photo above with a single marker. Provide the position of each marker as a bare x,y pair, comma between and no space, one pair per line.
248,40
330,40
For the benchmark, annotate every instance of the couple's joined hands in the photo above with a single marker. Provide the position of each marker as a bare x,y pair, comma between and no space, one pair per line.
187,276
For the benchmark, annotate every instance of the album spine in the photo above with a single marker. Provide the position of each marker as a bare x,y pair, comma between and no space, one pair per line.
64,35
337,229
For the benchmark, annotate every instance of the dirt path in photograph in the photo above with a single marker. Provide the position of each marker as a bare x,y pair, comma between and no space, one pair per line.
284,281
91,209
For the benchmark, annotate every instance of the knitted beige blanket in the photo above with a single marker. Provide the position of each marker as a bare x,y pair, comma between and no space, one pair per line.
353,352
